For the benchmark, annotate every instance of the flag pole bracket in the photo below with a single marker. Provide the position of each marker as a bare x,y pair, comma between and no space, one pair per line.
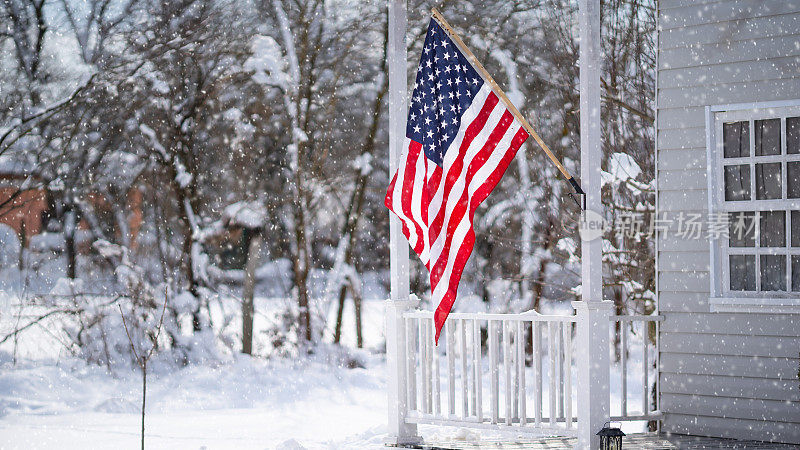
578,192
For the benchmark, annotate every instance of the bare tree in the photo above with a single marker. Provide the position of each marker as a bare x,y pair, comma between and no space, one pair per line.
94,24
254,236
355,206
319,49
26,26
143,356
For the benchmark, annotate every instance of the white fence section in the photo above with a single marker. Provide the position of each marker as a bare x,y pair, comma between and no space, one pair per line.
515,371
644,404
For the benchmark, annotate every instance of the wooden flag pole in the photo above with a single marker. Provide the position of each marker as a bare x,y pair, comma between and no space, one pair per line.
495,87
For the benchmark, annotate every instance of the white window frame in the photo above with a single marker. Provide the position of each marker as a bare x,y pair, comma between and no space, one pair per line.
721,298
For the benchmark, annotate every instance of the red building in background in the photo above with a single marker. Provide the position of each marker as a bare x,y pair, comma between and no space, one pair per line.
26,211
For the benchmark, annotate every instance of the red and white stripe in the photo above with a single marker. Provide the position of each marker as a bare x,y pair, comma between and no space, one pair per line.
436,205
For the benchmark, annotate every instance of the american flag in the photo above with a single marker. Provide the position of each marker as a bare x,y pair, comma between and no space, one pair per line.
460,138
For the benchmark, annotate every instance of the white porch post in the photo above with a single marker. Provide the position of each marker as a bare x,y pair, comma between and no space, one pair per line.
400,432
591,353
592,322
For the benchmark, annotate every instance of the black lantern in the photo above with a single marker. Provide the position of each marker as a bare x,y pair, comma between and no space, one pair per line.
610,438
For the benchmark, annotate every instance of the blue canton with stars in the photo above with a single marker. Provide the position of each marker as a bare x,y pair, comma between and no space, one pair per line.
445,86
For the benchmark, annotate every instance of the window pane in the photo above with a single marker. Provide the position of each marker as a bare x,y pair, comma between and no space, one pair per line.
793,135
742,232
793,179
736,139
796,273
737,182
773,272
768,181
768,137
795,228
773,229
743,272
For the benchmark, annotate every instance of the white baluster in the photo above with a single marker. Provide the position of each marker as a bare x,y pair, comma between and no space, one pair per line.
411,353
437,382
512,352
464,372
537,372
430,350
552,351
521,371
645,366
421,382
493,370
507,367
476,362
560,368
568,373
624,363
451,368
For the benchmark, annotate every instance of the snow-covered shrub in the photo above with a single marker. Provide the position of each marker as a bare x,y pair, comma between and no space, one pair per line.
110,330
283,335
99,334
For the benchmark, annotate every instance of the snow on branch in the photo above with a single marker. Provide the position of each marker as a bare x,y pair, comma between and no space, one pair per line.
245,214
267,63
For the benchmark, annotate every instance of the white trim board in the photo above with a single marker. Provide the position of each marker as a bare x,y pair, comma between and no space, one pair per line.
754,305
754,106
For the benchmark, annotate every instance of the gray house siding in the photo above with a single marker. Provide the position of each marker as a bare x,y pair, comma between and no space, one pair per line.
721,374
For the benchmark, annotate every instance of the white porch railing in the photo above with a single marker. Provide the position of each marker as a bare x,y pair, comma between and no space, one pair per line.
465,385
647,361
511,371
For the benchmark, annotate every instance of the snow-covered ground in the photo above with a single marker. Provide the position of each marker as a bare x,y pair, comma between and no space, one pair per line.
244,403
49,399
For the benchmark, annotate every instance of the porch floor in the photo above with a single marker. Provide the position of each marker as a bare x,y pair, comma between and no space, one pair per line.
643,441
